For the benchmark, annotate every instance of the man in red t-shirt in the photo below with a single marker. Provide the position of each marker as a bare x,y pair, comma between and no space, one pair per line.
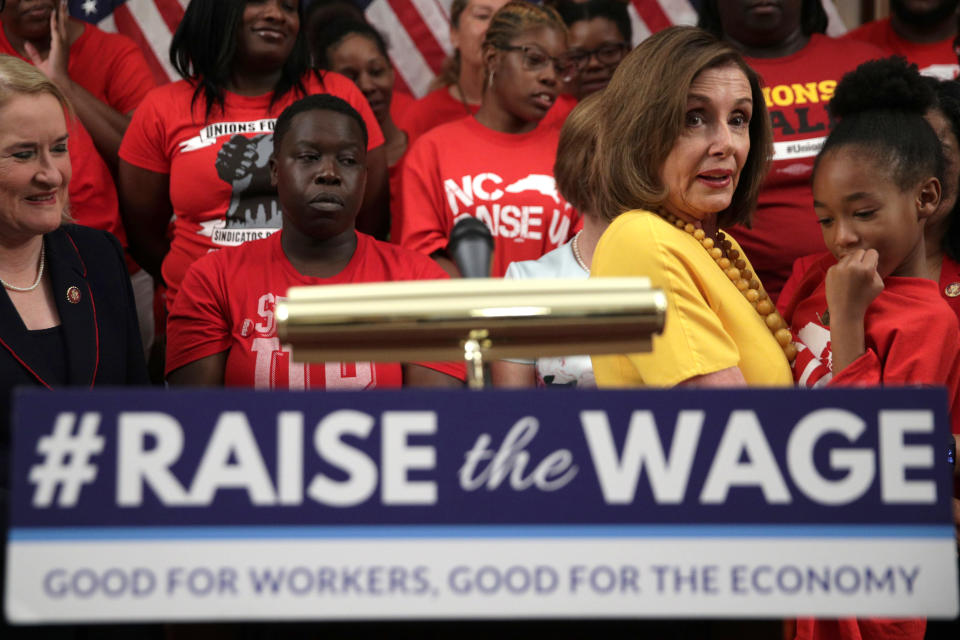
919,30
223,328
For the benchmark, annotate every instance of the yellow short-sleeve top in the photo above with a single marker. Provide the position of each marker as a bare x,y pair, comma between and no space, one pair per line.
709,325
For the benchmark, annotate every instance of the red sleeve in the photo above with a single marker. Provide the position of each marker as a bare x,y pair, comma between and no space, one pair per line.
424,225
198,325
909,357
914,355
342,87
865,371
130,79
918,356
801,283
145,141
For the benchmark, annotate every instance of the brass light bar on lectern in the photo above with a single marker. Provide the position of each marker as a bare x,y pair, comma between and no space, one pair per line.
448,319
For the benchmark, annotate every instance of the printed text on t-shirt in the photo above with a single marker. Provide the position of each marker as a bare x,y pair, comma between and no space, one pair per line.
479,195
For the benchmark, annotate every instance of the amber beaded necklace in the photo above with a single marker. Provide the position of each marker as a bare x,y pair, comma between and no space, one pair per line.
730,262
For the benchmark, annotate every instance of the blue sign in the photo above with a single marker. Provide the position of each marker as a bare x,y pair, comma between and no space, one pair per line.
727,476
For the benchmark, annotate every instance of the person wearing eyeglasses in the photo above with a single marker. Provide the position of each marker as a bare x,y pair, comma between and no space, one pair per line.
599,38
496,166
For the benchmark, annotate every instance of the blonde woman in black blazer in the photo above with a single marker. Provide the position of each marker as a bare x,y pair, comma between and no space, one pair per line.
66,307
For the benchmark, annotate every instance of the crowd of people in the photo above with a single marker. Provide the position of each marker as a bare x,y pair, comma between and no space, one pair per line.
795,195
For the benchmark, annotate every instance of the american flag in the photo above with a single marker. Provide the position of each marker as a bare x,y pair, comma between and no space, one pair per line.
150,23
417,31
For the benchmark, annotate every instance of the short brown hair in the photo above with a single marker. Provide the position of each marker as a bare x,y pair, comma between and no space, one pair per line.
576,151
642,115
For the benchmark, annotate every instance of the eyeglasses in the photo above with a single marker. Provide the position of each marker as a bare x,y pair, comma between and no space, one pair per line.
609,54
535,59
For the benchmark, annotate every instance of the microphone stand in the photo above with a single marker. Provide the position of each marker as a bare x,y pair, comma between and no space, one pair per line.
471,247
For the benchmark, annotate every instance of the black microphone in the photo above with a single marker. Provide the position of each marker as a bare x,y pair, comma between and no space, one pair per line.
471,246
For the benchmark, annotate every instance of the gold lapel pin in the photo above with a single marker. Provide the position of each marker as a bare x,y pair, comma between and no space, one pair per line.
73,295
952,290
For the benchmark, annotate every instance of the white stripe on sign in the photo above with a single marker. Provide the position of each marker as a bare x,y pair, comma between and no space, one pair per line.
282,579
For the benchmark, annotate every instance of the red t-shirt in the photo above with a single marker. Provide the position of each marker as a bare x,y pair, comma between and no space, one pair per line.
108,65
219,173
558,113
950,283
436,108
227,304
93,194
797,89
506,180
905,330
400,101
935,59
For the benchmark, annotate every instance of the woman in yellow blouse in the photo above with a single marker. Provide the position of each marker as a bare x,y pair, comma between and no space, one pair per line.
679,159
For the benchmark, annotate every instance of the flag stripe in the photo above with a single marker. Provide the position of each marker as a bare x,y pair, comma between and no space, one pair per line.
399,84
640,30
171,11
406,57
151,23
652,14
679,11
437,21
123,22
419,32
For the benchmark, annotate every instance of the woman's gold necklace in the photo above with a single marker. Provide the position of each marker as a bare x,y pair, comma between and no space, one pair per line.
730,262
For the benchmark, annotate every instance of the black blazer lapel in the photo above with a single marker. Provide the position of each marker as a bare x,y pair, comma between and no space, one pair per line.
77,314
15,340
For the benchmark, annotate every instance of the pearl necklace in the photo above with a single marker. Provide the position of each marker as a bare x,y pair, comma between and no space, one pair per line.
575,245
36,282
735,267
